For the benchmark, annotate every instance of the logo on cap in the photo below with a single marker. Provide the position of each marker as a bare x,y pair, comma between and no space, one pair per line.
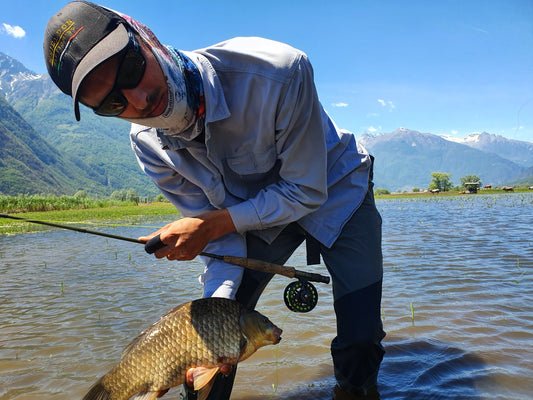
61,42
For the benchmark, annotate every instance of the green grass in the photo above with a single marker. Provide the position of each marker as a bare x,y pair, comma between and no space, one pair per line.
125,214
11,204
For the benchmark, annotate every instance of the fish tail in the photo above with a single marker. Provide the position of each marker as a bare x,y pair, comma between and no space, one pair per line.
98,392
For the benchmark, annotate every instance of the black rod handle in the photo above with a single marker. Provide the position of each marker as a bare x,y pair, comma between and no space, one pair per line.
153,245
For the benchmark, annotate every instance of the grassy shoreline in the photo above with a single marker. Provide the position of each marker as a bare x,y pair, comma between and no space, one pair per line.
449,193
127,214
132,214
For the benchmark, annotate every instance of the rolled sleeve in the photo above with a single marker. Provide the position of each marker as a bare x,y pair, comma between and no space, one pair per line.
244,217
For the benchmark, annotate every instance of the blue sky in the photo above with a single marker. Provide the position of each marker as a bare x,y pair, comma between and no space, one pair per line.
448,67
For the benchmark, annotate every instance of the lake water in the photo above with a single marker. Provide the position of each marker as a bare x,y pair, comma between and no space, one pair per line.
457,307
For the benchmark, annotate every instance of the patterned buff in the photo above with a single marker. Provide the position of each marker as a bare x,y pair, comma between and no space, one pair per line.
185,91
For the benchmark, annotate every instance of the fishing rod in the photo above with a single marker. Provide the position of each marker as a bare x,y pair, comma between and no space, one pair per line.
299,296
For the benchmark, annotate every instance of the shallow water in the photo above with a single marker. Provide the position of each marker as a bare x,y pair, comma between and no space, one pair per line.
456,306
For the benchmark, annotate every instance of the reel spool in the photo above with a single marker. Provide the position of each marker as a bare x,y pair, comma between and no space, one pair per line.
300,296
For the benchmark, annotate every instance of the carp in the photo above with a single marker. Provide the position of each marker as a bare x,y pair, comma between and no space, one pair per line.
198,338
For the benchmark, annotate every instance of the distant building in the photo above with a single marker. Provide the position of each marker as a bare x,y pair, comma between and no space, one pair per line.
471,187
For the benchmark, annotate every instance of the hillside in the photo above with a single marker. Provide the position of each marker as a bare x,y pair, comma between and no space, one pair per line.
101,144
29,165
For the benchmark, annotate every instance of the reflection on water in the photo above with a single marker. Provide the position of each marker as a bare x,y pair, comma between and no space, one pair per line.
456,307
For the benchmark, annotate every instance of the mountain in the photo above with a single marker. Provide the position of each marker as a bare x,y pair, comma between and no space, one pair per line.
517,151
43,149
524,179
101,144
406,159
29,164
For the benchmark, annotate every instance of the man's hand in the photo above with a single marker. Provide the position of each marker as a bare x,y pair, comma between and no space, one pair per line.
185,238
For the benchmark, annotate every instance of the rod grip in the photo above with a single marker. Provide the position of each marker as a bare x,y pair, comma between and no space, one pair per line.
259,265
153,245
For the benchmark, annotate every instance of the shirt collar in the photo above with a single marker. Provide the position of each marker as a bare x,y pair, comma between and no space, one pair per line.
215,102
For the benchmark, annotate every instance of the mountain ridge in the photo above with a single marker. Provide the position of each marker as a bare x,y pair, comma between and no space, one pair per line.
406,158
30,165
92,142
518,151
98,152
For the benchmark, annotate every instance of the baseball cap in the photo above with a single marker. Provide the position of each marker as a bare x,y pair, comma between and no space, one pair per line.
77,39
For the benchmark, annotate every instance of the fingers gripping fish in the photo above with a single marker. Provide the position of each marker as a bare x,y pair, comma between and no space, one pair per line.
196,339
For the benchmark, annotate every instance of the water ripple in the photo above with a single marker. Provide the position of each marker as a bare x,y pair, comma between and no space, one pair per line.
456,307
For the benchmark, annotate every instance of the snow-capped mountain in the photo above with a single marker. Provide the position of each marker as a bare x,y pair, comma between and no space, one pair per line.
518,151
407,158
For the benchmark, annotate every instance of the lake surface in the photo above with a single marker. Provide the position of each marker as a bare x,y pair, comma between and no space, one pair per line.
457,307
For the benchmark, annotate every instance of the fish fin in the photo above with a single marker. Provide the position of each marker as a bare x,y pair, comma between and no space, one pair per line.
204,392
145,396
203,380
98,392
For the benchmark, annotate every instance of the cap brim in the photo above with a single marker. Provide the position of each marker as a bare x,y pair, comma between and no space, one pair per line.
106,48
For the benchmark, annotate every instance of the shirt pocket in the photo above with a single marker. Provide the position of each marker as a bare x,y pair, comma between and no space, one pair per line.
246,174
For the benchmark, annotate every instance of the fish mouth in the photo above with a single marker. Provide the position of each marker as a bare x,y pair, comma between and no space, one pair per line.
277,334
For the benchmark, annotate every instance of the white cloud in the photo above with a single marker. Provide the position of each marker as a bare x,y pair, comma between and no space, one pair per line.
340,104
16,31
385,103
454,132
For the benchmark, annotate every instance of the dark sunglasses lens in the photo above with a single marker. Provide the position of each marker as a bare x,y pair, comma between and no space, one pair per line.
131,70
130,73
113,104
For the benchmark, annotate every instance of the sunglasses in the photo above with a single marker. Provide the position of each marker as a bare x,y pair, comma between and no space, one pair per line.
131,68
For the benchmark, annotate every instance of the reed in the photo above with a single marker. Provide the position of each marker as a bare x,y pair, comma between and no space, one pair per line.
34,203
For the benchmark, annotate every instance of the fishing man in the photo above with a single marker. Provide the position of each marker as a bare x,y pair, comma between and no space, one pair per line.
235,137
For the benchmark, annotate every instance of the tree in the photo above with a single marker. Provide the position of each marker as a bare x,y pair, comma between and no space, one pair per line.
470,178
440,181
160,198
379,192
119,195
131,195
81,194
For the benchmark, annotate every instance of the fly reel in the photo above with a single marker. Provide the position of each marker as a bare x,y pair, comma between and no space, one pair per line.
300,296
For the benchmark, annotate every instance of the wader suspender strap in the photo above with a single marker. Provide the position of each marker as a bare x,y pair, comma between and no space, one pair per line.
312,249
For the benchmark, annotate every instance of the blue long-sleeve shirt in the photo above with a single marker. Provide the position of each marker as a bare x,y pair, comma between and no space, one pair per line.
271,155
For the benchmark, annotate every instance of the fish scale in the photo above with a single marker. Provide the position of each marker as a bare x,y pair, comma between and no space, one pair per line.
204,333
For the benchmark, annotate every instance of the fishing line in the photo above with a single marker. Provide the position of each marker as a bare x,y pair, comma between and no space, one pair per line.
103,224
518,115
276,369
155,243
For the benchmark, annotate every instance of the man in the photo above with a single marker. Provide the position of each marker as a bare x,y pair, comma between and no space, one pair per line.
235,137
